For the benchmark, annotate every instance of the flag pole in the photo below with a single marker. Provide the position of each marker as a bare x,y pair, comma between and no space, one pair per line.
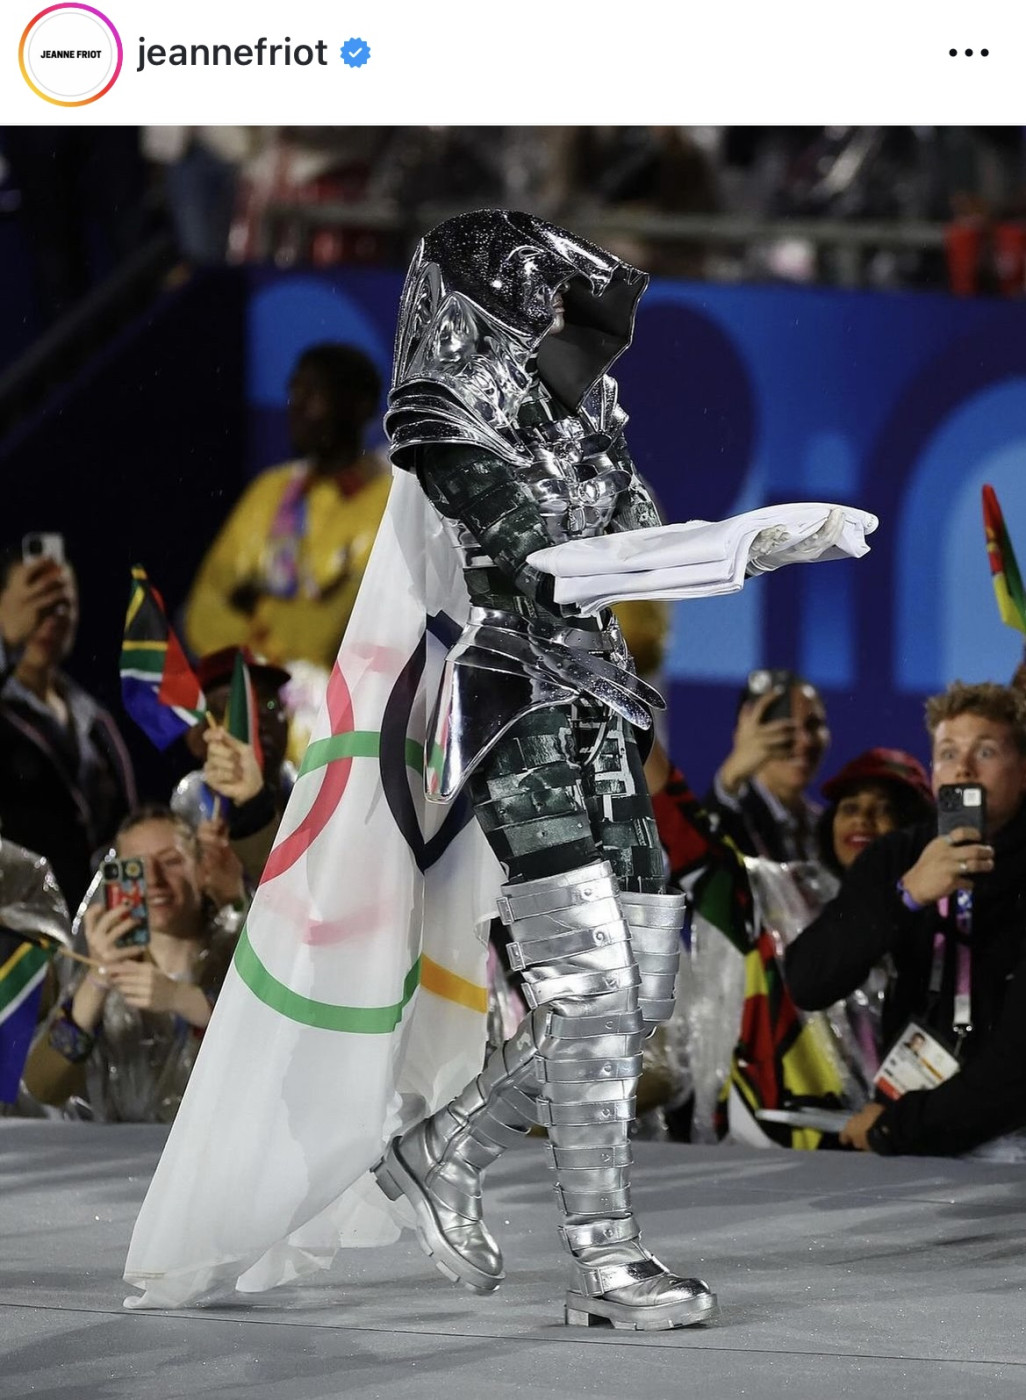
52,945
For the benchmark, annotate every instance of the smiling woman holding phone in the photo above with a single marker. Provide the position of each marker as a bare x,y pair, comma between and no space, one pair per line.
121,1045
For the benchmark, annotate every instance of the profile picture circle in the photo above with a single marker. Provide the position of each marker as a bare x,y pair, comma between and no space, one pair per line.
70,54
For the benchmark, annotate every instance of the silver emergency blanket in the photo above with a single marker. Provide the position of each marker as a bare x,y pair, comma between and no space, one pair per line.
30,900
31,904
142,1061
787,897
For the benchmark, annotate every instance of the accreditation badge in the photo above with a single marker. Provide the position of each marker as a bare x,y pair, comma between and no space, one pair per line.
917,1060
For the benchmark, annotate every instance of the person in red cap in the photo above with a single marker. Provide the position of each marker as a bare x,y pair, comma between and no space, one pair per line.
877,792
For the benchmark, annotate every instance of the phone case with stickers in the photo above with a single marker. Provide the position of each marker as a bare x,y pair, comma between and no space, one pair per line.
124,886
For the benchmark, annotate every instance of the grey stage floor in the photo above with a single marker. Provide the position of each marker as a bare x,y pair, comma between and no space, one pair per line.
837,1274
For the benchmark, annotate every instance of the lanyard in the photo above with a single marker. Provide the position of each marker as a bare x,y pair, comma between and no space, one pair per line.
287,532
961,1021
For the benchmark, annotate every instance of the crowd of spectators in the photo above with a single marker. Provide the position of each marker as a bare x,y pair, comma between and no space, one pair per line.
852,908
87,198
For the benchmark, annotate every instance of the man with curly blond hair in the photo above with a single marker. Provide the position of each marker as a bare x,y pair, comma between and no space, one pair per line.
951,912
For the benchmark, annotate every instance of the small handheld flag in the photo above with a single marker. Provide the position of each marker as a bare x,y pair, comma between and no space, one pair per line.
1011,599
159,688
241,720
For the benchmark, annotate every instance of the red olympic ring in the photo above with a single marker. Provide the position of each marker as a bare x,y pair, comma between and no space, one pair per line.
335,779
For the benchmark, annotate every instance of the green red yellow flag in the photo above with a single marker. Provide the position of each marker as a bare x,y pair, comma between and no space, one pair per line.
1007,580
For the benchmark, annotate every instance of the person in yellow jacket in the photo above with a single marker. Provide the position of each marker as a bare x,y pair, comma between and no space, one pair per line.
284,572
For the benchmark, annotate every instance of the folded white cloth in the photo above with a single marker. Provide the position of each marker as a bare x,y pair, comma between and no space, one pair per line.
701,558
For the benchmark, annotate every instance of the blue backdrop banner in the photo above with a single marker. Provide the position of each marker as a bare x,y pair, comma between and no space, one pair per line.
903,404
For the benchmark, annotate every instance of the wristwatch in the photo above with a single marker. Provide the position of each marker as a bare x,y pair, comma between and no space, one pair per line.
880,1139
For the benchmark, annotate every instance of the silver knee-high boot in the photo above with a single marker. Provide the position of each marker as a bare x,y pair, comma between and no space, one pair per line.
574,945
439,1164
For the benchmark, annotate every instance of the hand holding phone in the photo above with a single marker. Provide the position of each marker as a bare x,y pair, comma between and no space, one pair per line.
764,729
961,805
945,864
124,887
42,546
34,589
779,682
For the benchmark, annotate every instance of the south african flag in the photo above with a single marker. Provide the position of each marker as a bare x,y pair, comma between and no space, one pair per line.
22,973
159,688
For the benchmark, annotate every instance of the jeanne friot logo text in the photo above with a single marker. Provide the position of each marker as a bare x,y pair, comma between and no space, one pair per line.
262,53
70,54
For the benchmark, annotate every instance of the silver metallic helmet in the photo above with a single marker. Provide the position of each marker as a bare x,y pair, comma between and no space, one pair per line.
474,322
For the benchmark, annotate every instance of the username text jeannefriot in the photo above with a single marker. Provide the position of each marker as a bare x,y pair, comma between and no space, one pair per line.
262,53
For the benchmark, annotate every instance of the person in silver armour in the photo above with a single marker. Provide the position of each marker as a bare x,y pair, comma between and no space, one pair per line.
502,406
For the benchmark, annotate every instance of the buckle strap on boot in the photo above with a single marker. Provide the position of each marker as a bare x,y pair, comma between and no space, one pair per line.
657,964
556,1115
567,942
595,1282
581,985
655,942
552,892
657,1011
615,1155
597,913
588,1071
597,1234
462,1199
655,983
612,1201
655,911
586,1027
490,1135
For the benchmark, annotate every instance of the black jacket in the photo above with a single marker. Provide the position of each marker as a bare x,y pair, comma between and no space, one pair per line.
868,920
63,792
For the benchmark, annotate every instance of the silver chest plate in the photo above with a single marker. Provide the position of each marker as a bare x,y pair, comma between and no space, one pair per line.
576,484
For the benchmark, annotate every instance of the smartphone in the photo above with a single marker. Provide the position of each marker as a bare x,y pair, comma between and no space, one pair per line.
762,682
961,804
36,547
124,886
